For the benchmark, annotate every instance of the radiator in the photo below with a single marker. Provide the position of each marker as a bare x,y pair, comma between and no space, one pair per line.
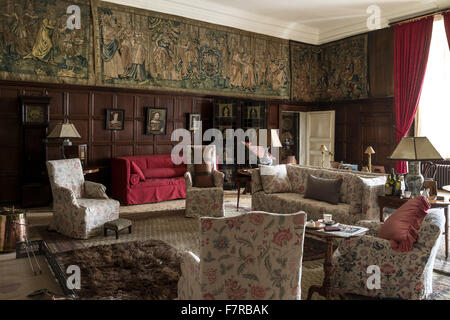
442,175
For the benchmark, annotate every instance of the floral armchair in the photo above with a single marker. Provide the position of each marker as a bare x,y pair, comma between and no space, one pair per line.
406,275
80,208
257,255
204,201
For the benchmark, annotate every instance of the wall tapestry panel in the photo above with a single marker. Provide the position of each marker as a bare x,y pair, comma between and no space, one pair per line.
144,49
37,45
334,71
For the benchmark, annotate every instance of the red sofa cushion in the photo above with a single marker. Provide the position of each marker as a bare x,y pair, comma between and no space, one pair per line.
159,173
136,170
402,227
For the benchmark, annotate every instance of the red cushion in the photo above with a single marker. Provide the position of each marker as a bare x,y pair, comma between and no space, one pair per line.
161,173
402,227
135,169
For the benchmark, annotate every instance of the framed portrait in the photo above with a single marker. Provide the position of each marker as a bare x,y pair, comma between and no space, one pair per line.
115,119
194,121
253,112
156,121
225,110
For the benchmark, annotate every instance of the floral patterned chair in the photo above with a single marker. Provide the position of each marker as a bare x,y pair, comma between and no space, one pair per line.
80,208
257,255
406,275
204,201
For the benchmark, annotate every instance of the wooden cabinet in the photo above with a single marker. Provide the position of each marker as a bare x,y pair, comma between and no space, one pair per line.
34,184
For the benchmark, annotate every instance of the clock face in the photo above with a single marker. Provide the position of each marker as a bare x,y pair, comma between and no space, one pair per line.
35,114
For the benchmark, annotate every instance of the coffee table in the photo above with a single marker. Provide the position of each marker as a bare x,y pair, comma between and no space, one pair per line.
396,202
326,289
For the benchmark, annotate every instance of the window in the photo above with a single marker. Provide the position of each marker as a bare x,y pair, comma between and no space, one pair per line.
433,115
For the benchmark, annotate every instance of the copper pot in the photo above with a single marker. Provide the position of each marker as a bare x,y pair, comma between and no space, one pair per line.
12,228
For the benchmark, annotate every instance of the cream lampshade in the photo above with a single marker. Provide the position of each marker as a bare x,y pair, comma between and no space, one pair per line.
272,140
64,131
414,150
369,151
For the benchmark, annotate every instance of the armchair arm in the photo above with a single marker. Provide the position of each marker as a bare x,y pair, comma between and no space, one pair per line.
373,226
94,190
188,179
218,178
65,195
256,181
189,283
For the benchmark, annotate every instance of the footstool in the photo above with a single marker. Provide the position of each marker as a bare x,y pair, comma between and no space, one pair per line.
117,226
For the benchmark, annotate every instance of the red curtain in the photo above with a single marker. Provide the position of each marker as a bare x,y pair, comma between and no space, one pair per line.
411,48
447,25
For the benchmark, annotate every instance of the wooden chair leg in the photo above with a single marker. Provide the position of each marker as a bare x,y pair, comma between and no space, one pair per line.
129,229
117,234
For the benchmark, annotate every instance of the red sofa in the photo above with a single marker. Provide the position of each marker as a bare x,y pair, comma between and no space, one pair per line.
146,179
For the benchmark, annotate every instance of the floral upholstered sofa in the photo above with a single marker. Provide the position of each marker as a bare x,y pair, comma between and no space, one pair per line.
358,197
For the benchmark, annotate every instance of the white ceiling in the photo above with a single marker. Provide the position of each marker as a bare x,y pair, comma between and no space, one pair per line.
310,21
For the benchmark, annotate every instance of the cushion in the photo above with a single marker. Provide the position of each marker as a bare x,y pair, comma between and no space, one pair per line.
203,177
274,178
160,173
402,227
323,189
135,169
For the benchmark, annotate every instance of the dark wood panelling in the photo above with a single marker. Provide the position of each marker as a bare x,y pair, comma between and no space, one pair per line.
363,123
381,63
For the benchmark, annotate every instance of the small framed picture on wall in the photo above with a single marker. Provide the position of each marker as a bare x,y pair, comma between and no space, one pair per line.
115,119
194,121
156,121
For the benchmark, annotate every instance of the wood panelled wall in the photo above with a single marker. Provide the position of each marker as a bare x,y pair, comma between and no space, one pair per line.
358,123
85,107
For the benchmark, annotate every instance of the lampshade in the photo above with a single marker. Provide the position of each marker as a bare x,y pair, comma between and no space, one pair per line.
323,148
415,148
272,138
369,150
64,130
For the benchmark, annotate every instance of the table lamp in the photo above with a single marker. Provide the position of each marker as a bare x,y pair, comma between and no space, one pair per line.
414,150
369,151
64,131
323,149
273,140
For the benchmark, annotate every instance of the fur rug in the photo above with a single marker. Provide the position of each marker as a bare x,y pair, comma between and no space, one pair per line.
141,270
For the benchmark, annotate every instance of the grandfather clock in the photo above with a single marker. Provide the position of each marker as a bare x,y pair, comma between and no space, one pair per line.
35,186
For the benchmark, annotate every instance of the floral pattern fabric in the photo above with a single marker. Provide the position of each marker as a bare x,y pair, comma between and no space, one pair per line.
358,195
75,213
204,201
255,256
274,178
405,275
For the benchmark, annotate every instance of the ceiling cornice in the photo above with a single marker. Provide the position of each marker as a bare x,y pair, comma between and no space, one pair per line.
222,15
225,16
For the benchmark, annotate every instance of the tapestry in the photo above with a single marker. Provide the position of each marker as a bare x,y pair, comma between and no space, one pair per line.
144,49
334,71
37,43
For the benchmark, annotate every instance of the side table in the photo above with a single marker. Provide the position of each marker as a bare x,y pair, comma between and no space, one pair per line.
243,177
396,202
